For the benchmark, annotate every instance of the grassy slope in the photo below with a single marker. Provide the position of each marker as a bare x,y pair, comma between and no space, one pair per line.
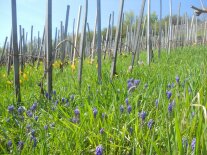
123,132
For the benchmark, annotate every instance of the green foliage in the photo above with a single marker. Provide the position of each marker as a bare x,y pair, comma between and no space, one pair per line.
124,133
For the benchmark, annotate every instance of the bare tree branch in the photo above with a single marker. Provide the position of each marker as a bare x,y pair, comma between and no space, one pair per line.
198,11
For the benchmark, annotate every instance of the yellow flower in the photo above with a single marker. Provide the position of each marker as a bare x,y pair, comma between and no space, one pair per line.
9,82
25,76
73,67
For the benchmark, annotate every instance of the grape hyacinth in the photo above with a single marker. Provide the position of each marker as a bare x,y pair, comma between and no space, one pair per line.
36,118
11,108
9,143
46,127
177,79
33,132
136,82
77,112
150,123
20,110
129,108
34,139
95,111
29,113
33,107
127,101
20,145
63,100
99,150
169,94
193,143
101,130
143,115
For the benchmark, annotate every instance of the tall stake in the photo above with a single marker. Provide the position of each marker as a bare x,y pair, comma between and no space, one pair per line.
113,66
99,39
170,28
137,37
15,53
160,30
48,30
149,43
76,35
93,46
82,43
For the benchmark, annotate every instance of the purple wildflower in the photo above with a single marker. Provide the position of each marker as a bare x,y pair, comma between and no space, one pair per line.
9,143
150,123
169,94
143,115
129,85
20,145
99,150
129,108
20,110
33,107
47,96
136,82
36,118
177,79
74,120
46,127
33,132
29,113
170,107
34,139
101,130
193,143
63,100
127,101
11,108
77,112
95,111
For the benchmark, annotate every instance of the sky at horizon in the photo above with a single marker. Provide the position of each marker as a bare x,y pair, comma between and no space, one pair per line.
32,12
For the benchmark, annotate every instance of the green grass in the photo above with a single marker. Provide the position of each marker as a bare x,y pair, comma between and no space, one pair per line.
124,133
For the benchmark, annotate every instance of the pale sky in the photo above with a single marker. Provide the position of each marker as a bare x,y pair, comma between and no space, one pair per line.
32,12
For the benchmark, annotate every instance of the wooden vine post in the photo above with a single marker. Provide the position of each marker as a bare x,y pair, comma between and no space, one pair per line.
113,66
149,43
81,50
99,39
16,52
48,34
160,31
137,37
